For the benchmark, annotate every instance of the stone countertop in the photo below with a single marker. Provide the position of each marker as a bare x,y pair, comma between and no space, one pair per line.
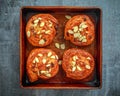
9,48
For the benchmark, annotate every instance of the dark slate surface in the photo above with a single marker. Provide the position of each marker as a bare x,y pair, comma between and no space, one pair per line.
9,48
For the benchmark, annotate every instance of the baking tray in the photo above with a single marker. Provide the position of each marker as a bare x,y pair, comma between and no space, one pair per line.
60,81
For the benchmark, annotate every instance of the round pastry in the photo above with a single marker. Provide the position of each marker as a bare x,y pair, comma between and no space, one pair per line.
40,29
80,30
78,64
42,63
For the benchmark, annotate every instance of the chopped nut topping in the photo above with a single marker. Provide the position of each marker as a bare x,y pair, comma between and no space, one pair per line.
81,24
48,75
84,40
40,54
42,31
44,61
79,68
47,32
73,69
38,32
87,66
80,29
73,63
36,60
42,41
40,36
70,32
57,45
81,38
75,58
88,58
42,24
84,26
50,25
39,18
35,25
76,35
60,62
49,54
62,46
53,57
28,33
67,16
75,28
48,65
84,37
57,57
43,72
36,21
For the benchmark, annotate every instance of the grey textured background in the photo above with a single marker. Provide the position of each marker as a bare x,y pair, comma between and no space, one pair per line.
9,48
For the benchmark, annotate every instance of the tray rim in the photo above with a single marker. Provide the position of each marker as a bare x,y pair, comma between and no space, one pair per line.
21,51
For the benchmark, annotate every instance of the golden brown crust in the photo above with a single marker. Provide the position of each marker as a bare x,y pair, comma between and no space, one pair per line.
42,63
84,34
78,64
40,29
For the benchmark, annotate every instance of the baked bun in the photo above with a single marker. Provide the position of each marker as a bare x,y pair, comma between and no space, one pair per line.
42,64
80,30
77,64
40,29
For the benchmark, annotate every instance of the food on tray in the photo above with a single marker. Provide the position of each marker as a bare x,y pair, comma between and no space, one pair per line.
42,63
78,64
67,16
80,30
60,46
41,29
